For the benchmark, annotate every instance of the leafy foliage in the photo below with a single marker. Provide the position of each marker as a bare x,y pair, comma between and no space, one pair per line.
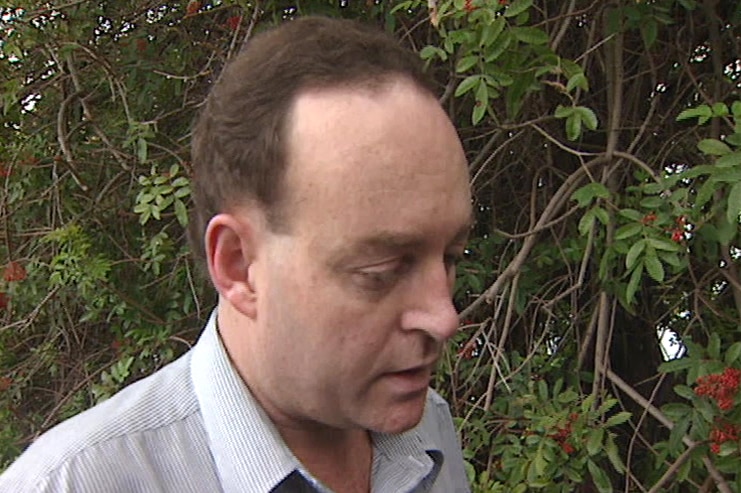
604,141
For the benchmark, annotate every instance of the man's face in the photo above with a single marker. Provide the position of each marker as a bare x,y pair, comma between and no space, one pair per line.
354,302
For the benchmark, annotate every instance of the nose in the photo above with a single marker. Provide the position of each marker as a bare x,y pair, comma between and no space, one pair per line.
430,304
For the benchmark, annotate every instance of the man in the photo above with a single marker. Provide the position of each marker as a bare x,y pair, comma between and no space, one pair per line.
331,202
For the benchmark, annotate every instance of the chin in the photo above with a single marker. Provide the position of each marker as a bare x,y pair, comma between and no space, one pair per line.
400,417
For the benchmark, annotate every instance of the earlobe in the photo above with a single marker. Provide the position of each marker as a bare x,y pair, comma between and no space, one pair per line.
231,250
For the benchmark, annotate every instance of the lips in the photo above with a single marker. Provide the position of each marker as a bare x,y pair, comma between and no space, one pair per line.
412,380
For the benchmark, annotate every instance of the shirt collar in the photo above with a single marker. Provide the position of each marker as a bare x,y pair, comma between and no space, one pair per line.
247,449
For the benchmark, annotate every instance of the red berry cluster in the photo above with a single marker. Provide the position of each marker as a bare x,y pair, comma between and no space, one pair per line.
724,432
678,231
648,219
468,351
722,387
468,6
563,433
233,22
13,272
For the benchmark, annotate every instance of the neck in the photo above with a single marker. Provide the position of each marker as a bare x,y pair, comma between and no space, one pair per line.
341,459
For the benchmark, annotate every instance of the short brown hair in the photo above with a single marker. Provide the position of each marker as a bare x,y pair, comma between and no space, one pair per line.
238,147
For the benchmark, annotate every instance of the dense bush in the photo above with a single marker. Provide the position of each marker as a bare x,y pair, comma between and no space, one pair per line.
604,141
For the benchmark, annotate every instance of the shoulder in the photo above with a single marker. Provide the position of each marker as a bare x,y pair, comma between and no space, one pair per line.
131,426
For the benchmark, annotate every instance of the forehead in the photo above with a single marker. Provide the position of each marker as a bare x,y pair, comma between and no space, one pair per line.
385,159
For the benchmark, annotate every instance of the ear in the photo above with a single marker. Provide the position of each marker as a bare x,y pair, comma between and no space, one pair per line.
231,243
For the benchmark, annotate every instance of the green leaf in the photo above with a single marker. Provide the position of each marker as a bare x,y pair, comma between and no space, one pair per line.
726,230
601,481
653,265
491,31
594,441
676,410
530,35
466,85
601,215
618,419
613,454
517,7
702,111
573,126
681,426
675,365
588,117
181,213
719,109
631,229
713,147
664,244
704,194
734,204
482,102
466,63
684,391
567,396
563,111
631,214
729,160
577,80
649,32
733,353
586,223
539,463
141,150
586,194
498,47
736,109
634,283
735,138
670,258
635,251
652,202
714,346
695,171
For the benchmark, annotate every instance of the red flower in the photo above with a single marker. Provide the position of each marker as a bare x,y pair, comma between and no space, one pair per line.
568,448
233,22
192,8
677,235
715,448
722,387
503,2
649,218
468,6
468,351
14,272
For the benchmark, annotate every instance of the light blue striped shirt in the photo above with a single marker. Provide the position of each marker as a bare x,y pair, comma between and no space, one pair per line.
193,426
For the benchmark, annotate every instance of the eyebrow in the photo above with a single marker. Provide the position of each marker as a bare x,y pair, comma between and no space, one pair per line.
387,242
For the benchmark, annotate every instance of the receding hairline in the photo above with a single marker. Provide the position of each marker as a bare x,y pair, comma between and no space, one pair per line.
277,216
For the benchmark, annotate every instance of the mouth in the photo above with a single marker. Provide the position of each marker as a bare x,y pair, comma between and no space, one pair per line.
412,380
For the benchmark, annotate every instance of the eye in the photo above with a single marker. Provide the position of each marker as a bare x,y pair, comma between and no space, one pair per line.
380,277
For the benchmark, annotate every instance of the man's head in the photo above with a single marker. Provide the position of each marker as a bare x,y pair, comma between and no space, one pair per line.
239,142
336,299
